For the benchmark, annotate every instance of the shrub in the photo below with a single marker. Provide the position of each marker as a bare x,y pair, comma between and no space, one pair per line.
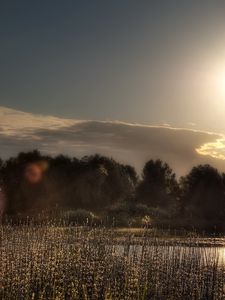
80,216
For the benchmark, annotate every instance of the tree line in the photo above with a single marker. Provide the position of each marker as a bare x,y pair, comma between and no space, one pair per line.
99,187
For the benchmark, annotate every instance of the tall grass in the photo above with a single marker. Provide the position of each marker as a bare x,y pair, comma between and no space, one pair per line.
55,262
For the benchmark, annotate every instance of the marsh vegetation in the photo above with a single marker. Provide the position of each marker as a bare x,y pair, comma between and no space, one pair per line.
48,261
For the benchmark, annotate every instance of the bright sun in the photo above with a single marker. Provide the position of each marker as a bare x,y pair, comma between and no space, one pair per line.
221,83
215,85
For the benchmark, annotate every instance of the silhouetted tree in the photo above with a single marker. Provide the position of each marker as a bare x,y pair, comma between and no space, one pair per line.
158,187
103,181
21,196
203,196
60,180
1,173
91,183
32,182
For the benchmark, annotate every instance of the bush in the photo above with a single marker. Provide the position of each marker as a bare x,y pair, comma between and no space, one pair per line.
80,216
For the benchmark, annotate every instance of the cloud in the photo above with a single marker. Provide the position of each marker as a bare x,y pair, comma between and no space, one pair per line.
126,142
215,149
17,122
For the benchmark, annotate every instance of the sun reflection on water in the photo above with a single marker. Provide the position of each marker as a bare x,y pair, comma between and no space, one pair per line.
221,253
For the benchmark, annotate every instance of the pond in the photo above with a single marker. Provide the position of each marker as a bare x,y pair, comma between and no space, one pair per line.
205,255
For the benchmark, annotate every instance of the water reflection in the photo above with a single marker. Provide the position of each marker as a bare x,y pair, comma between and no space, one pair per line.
221,251
208,256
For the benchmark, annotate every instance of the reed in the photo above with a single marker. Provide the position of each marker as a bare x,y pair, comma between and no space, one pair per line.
80,262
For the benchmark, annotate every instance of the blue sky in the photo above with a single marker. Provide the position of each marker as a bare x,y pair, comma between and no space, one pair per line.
137,61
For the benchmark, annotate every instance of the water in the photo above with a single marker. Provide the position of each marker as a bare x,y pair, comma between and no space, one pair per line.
205,255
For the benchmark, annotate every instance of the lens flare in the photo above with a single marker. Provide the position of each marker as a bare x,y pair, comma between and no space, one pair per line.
34,172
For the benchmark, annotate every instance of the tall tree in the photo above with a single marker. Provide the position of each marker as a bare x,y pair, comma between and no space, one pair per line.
203,194
158,187
20,194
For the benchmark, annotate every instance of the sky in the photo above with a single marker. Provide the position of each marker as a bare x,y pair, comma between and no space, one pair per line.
128,143
155,63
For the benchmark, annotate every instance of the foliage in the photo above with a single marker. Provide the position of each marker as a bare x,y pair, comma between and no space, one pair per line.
91,183
158,187
112,191
204,197
80,216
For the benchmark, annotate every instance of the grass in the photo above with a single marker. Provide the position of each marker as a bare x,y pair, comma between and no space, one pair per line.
53,262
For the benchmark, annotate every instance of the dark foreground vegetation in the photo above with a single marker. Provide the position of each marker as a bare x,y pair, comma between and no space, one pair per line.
101,190
60,237
92,263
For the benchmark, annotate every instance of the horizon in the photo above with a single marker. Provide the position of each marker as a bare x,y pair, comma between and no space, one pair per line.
23,131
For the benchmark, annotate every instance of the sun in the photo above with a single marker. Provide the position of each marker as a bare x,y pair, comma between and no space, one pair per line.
217,83
221,83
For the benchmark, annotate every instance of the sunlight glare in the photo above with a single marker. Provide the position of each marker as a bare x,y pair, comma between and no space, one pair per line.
219,83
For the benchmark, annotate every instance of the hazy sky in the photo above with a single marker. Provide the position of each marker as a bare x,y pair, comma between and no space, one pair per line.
128,143
137,61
